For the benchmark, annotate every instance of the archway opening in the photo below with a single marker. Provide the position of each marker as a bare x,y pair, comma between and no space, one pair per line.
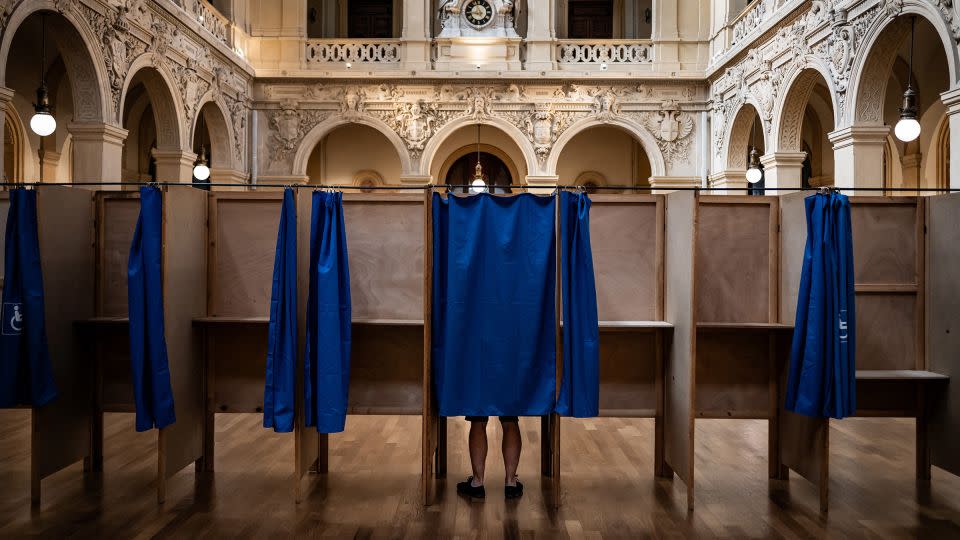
354,154
68,72
880,88
807,118
491,140
139,162
152,150
494,171
746,140
603,156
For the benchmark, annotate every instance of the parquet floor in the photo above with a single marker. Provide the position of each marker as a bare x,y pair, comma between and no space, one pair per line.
372,490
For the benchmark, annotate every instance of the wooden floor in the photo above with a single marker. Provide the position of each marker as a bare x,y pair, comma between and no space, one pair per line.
372,490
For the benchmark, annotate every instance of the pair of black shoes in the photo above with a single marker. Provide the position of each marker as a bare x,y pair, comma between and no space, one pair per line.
478,492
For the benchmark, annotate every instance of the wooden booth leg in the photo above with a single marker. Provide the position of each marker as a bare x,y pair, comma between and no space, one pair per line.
440,467
923,448
323,454
545,450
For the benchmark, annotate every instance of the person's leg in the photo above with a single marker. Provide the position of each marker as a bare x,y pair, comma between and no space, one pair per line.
512,444
478,449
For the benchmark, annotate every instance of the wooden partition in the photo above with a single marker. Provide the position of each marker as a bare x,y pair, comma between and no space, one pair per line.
943,321
739,343
60,433
184,296
627,239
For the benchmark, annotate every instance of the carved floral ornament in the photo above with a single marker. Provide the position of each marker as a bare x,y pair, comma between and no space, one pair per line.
795,45
416,115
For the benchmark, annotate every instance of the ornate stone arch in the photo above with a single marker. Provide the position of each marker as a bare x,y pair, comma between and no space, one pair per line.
168,108
739,135
512,131
788,116
658,166
880,42
313,137
219,127
81,51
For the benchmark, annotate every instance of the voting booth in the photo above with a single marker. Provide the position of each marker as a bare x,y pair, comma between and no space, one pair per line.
627,235
730,339
905,257
107,333
60,429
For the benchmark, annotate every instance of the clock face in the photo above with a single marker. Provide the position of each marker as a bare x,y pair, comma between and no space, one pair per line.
478,12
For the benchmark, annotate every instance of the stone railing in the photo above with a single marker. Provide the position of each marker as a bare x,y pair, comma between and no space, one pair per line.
344,51
212,21
612,52
753,16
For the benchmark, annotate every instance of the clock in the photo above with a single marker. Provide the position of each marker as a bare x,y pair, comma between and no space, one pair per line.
478,12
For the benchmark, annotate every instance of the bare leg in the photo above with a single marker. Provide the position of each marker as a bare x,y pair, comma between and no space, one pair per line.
478,450
511,451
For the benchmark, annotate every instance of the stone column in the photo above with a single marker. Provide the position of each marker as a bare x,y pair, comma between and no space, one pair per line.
912,172
666,35
174,165
540,35
951,99
415,35
783,169
665,184
858,156
734,182
97,152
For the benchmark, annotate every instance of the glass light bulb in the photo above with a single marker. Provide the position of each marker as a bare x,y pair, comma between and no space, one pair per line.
478,186
43,124
754,175
907,129
201,172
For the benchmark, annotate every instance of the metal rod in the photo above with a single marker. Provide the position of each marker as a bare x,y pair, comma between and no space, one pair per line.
422,187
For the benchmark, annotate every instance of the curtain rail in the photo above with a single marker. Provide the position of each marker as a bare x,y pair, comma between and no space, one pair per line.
422,187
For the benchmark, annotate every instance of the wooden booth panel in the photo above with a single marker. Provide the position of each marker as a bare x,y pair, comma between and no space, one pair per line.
116,379
736,260
679,258
628,373
943,327
733,374
885,240
386,369
117,220
385,246
239,355
184,298
62,429
244,245
626,239
887,332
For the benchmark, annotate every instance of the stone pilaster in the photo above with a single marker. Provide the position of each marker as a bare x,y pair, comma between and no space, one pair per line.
951,99
415,36
174,165
540,35
665,184
858,156
783,169
97,152
731,182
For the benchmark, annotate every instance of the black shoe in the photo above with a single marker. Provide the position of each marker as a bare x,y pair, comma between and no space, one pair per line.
513,492
467,488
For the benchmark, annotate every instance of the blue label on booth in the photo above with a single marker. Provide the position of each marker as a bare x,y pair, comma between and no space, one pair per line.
12,318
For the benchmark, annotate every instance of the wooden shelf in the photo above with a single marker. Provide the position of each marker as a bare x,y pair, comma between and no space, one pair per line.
231,320
389,322
743,326
103,321
640,325
899,375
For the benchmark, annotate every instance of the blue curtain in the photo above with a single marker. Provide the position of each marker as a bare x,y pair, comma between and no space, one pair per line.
278,392
26,375
327,354
493,327
580,384
152,393
822,377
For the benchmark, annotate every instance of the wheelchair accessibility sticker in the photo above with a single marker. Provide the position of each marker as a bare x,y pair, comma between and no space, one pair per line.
12,319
